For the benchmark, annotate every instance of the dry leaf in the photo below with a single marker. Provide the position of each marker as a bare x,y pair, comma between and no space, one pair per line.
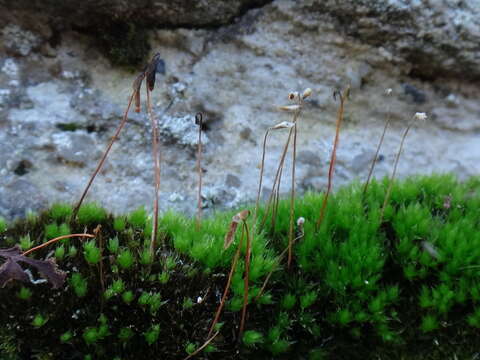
232,229
11,269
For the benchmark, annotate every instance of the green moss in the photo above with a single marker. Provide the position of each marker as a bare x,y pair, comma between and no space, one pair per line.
66,337
25,242
91,252
24,293
125,334
124,44
252,338
79,284
53,230
60,212
125,259
190,348
3,225
151,336
59,252
39,320
128,297
91,214
119,223
113,245
387,289
138,218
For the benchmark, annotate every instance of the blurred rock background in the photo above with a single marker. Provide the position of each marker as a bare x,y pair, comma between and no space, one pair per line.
66,72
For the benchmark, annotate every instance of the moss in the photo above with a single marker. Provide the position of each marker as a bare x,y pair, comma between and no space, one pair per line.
91,214
359,287
124,44
3,225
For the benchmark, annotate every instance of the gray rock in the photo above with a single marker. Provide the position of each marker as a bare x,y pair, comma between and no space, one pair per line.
17,196
153,12
438,37
59,109
182,130
18,41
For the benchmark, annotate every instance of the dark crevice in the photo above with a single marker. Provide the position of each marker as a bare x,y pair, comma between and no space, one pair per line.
23,167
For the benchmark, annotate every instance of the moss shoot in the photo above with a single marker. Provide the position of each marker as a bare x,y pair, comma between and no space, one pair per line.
405,287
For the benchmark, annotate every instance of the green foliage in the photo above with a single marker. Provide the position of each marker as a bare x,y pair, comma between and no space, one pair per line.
128,296
3,225
60,212
24,293
187,303
125,334
79,284
163,277
138,218
145,257
118,286
25,242
72,251
59,252
151,336
362,282
308,299
66,337
91,252
39,320
91,335
288,301
429,323
113,245
125,259
190,348
119,224
252,338
91,214
53,230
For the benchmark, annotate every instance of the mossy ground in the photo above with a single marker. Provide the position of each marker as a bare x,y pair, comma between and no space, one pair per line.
403,288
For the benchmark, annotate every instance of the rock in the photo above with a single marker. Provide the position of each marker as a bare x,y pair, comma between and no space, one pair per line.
417,96
232,181
152,12
182,130
18,41
438,37
73,148
308,157
17,196
59,107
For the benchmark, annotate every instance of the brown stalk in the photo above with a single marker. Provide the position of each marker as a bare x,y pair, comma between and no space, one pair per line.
107,151
247,272
156,165
331,170
276,200
277,176
392,178
199,122
280,257
227,286
292,196
262,166
98,234
55,240
148,73
372,167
